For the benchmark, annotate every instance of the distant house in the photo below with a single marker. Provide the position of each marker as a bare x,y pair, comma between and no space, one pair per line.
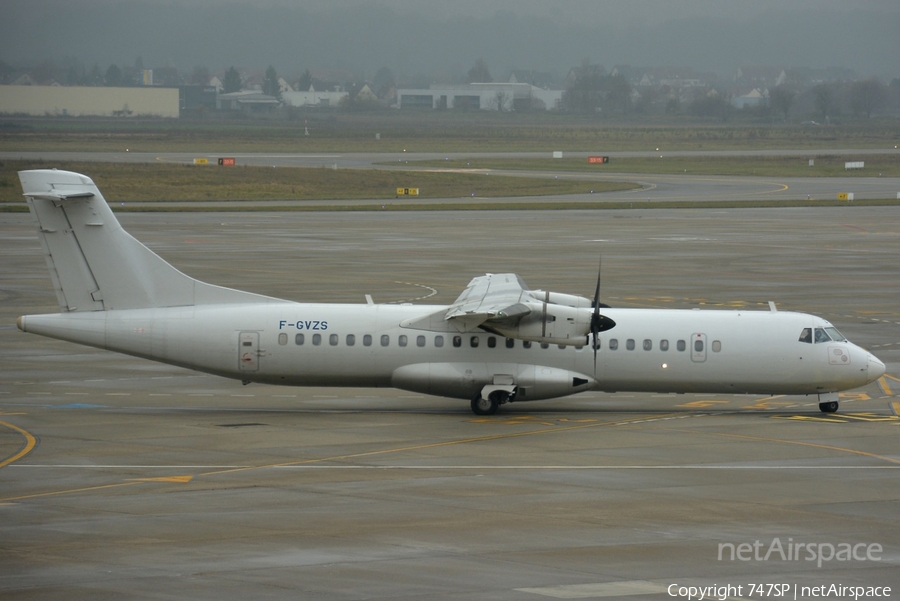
24,80
753,98
365,94
760,77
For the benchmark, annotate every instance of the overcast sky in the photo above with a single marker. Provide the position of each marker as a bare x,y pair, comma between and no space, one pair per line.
447,36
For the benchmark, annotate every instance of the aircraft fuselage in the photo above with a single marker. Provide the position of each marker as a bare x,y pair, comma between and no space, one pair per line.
686,351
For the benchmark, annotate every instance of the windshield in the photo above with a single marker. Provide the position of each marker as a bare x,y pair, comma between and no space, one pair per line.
835,335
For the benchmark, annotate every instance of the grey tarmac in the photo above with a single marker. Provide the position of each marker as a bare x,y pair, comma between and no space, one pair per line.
126,479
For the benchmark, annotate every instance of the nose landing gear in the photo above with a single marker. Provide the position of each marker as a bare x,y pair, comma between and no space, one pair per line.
828,403
828,407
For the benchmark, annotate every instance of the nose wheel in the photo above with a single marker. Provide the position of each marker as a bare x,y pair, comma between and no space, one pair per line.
829,407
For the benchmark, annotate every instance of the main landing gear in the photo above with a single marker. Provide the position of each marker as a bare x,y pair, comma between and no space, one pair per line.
489,405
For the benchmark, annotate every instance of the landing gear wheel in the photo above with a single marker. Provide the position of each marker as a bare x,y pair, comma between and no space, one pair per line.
488,406
829,407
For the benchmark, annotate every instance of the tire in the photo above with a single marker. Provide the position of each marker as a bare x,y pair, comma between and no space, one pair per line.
488,406
829,407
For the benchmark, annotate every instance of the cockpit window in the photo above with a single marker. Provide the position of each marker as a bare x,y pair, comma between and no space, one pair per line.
835,335
822,336
806,335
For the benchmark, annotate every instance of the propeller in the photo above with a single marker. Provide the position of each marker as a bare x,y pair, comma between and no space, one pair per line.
599,323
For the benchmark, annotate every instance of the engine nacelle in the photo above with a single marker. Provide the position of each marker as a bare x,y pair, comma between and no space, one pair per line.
560,298
550,323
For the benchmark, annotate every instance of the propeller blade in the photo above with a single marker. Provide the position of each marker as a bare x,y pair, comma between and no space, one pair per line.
595,316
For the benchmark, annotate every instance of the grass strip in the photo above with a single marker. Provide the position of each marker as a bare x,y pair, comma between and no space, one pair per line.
148,182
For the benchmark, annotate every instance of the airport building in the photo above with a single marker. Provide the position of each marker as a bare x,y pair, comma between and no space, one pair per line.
78,101
480,96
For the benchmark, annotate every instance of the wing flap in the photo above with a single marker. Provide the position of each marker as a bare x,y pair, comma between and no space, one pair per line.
490,297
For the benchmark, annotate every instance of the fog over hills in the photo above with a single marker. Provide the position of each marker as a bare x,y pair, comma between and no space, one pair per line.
427,37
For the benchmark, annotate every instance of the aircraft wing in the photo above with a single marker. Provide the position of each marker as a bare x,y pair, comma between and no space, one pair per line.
494,297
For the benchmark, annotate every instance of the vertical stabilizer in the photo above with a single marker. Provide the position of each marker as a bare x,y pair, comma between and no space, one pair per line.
95,264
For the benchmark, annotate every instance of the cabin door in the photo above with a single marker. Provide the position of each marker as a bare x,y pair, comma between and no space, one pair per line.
698,348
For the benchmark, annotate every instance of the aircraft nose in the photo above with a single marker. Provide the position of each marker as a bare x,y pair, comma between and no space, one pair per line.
876,368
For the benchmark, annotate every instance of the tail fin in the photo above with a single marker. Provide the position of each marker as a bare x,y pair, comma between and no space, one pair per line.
95,264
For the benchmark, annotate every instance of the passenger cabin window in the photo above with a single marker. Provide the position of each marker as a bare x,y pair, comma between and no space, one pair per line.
629,344
402,340
367,340
698,346
613,344
282,339
333,340
299,339
717,346
351,339
648,345
385,340
438,341
492,342
420,341
510,343
663,345
526,344
681,345
457,341
473,341
317,339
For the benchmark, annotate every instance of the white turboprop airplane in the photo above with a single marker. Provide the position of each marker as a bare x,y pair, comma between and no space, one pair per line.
499,341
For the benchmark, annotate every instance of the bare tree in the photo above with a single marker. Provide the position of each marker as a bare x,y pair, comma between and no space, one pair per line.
232,81
200,76
270,86
867,96
781,99
501,101
824,99
585,94
479,73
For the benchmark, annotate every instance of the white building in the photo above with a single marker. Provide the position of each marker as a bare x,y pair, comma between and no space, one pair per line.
313,98
481,96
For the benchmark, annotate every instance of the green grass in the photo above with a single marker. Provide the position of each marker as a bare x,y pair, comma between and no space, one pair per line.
428,131
199,183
